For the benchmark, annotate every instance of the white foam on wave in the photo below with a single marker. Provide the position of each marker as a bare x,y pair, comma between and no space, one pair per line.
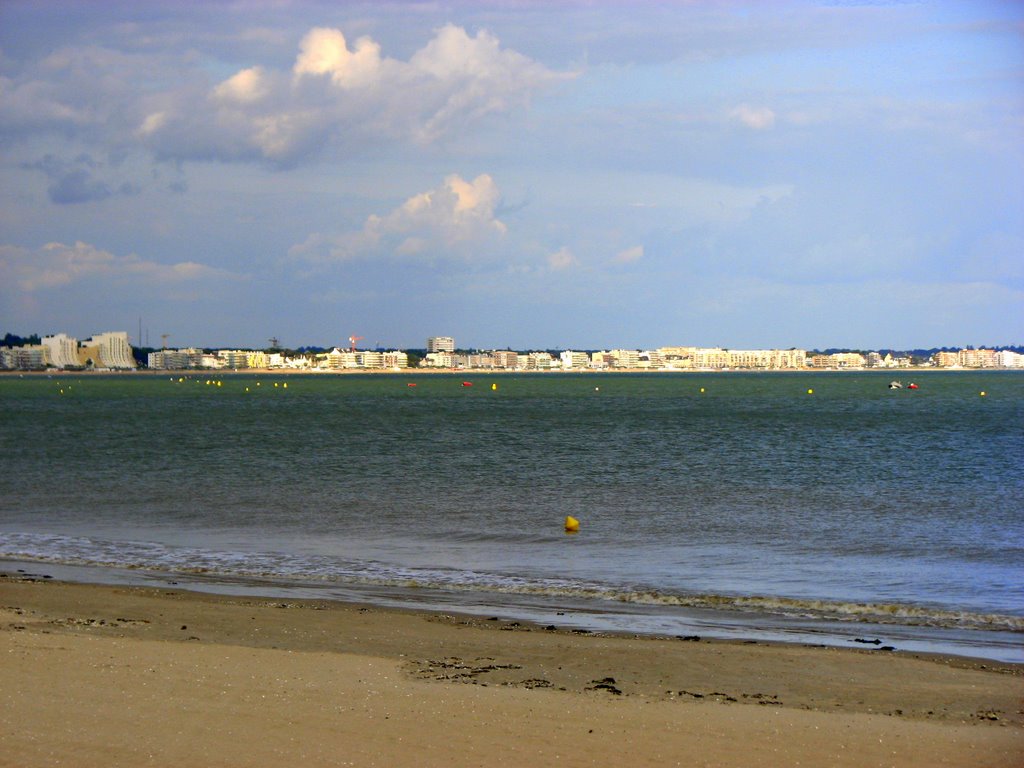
272,566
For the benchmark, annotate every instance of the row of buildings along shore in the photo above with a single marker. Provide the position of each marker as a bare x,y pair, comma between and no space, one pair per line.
112,351
104,351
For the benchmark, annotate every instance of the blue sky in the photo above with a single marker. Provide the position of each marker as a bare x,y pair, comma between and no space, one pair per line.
523,174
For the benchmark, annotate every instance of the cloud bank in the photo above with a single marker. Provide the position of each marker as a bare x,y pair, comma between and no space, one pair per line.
80,180
454,220
336,92
55,265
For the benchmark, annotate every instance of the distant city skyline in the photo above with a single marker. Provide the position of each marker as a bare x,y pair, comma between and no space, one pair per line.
440,344
564,175
113,351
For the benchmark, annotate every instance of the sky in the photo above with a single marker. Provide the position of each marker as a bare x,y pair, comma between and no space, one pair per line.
534,175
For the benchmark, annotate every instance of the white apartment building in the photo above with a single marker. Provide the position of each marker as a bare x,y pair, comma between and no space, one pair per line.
114,349
652,358
875,360
476,361
63,350
677,357
440,344
369,360
338,359
715,357
839,360
574,360
28,358
1008,359
175,359
236,359
438,360
749,358
767,358
394,359
625,358
539,361
301,362
978,358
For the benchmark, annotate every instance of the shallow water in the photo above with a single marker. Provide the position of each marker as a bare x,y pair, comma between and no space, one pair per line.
752,502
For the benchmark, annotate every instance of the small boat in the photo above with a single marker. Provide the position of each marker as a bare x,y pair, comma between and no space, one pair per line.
895,385
912,385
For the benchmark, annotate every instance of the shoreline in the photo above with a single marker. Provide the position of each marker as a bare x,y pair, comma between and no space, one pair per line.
580,614
200,372
459,690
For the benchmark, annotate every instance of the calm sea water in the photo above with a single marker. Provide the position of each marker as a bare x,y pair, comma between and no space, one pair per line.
729,504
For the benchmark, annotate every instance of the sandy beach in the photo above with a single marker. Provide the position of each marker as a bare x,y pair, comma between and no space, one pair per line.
101,675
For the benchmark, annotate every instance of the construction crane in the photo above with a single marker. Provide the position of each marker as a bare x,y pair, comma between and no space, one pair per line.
163,338
352,340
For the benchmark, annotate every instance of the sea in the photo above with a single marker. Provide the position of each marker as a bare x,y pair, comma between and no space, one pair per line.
821,508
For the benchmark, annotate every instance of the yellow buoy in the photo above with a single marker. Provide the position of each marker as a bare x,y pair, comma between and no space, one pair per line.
982,394
702,390
572,525
810,391
494,386
285,385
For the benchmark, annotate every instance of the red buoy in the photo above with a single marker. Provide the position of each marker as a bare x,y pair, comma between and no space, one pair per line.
467,383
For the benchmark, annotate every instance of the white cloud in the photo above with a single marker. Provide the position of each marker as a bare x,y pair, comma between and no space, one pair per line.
452,54
245,87
324,51
758,118
152,123
629,255
345,95
451,220
337,92
55,265
562,259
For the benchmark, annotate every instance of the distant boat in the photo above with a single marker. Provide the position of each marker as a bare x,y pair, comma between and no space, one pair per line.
895,385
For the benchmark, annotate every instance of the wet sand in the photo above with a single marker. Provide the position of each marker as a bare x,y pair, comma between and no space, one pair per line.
101,675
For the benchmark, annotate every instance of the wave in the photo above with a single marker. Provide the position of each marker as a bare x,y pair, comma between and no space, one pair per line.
276,566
